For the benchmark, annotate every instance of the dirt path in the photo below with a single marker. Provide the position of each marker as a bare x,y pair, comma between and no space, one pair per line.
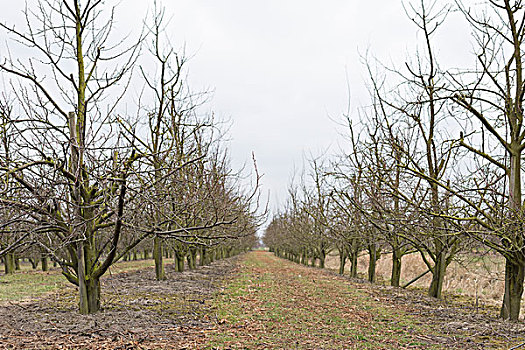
276,304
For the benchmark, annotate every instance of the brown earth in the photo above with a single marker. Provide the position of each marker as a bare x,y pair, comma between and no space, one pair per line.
281,305
138,313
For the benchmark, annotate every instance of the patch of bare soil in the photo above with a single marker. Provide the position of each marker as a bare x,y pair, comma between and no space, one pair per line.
456,317
138,313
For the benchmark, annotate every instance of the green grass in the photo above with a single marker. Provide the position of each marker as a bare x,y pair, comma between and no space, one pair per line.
30,284
275,303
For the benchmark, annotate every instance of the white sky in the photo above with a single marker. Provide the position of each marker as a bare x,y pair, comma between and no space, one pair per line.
278,67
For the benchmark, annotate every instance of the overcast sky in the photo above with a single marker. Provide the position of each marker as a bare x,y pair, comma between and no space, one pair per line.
279,68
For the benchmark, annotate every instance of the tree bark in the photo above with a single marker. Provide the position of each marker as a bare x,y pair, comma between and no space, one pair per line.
322,258
157,255
176,262
514,278
193,254
180,261
34,263
45,266
342,260
396,268
352,255
204,257
372,259
9,263
438,275
88,289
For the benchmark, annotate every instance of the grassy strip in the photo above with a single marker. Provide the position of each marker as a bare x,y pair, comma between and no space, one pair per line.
31,284
273,303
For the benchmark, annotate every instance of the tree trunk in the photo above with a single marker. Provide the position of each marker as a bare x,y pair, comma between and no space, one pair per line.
193,254
372,260
514,278
88,288
396,268
9,263
157,255
342,261
353,263
438,275
34,263
204,257
90,296
304,257
176,262
180,261
146,254
45,266
17,263
190,262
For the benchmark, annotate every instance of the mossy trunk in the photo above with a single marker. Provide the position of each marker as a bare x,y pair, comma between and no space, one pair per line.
514,278
352,257
304,257
44,260
396,268
193,254
342,261
189,261
176,262
438,276
146,254
88,286
157,255
34,263
373,256
135,255
89,296
9,263
204,257
17,263
180,261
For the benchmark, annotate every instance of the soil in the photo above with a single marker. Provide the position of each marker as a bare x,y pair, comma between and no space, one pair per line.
181,313
456,319
138,313
312,300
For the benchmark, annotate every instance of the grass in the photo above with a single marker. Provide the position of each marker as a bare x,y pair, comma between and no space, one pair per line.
273,303
478,277
28,284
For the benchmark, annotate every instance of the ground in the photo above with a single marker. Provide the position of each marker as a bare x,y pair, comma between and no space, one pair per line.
256,301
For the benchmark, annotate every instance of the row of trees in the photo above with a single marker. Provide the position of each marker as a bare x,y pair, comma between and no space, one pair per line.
434,164
104,148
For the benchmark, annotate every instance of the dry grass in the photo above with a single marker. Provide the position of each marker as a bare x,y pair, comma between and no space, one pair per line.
479,277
